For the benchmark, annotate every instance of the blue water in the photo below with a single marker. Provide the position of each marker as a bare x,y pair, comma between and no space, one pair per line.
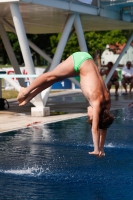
52,162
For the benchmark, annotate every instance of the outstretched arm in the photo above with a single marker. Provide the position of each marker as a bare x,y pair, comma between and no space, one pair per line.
95,128
102,137
102,141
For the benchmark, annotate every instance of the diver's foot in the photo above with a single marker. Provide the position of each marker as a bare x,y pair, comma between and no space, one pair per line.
26,100
22,94
95,153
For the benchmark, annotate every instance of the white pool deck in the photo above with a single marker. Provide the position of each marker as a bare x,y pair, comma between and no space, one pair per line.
72,102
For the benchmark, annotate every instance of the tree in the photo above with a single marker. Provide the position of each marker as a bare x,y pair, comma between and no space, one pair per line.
95,40
43,42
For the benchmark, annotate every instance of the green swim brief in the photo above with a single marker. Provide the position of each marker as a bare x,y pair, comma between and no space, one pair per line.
79,58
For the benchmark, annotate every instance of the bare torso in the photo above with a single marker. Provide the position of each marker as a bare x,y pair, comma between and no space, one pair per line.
92,85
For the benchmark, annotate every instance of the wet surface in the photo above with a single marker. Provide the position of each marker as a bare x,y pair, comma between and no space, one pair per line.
52,161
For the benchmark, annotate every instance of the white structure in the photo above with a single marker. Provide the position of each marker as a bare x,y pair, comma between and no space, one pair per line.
109,56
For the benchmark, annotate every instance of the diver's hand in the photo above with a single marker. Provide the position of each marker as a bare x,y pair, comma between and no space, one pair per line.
95,153
101,153
98,154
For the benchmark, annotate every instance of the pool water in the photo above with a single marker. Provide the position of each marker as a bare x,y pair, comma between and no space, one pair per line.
52,162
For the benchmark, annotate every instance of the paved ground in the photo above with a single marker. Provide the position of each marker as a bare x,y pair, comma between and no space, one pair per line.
71,102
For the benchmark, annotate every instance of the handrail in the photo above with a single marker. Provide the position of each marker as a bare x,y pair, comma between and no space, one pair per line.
18,76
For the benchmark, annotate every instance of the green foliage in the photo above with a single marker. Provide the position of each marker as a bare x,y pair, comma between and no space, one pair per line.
99,40
49,42
14,42
54,39
94,40
71,47
41,40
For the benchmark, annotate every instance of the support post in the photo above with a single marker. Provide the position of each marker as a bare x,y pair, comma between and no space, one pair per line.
17,19
80,33
10,53
38,50
59,50
118,60
62,42
81,39
31,44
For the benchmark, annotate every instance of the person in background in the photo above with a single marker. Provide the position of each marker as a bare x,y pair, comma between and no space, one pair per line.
114,79
127,73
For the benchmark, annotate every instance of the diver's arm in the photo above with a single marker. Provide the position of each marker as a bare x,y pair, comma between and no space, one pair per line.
102,142
95,128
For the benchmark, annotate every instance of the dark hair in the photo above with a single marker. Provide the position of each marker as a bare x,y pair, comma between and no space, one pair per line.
105,119
128,62
110,63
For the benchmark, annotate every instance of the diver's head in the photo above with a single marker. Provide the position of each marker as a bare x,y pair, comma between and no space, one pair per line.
105,118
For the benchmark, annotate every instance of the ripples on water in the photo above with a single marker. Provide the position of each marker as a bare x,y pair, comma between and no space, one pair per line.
52,162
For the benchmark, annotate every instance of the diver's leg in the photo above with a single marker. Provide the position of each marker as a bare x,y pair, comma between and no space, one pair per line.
34,92
63,70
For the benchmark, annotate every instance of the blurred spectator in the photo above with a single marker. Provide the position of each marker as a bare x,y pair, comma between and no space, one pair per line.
127,73
114,78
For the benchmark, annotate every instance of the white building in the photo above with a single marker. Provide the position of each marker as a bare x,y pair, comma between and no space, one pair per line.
110,56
